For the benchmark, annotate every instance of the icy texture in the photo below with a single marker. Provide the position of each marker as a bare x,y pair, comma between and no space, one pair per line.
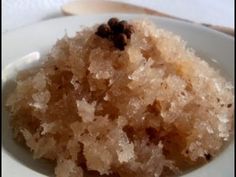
146,111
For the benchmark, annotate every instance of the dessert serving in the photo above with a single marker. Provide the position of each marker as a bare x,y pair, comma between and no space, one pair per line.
123,98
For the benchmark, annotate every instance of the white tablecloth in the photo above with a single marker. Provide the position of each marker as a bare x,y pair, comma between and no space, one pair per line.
17,13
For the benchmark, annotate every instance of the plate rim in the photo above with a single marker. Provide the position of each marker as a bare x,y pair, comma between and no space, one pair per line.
121,14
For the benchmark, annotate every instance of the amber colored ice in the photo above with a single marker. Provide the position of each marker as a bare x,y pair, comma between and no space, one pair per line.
143,112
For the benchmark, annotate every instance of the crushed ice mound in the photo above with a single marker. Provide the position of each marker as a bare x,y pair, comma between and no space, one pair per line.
150,109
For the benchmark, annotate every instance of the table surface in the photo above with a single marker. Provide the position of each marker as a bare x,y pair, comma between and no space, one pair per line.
18,13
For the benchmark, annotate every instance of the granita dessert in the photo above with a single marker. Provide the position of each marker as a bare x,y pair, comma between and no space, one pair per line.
122,98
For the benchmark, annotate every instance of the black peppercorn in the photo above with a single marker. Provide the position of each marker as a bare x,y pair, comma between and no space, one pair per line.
113,22
103,31
121,26
116,31
120,41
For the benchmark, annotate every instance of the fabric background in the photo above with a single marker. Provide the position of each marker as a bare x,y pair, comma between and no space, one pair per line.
17,13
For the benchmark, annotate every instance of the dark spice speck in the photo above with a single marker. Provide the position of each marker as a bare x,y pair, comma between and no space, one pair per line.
208,156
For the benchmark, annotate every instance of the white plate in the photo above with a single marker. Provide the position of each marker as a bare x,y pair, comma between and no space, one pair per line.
17,162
